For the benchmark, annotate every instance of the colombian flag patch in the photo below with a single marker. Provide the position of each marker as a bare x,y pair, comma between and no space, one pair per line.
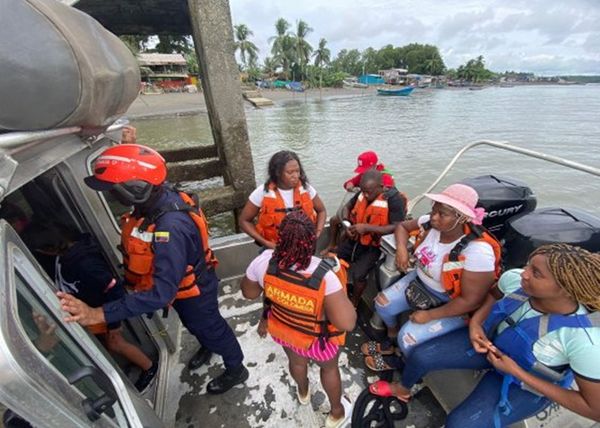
161,236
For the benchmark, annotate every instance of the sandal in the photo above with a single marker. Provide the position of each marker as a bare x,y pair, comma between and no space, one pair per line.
303,400
383,363
382,388
337,423
372,347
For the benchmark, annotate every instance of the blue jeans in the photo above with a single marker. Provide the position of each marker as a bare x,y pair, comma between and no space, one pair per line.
454,351
412,334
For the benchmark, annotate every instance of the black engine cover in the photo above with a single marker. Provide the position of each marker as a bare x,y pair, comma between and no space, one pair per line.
502,198
549,225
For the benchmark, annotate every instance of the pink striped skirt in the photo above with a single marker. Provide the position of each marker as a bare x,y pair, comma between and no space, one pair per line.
314,352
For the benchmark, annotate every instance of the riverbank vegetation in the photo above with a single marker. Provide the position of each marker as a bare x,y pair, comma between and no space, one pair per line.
293,58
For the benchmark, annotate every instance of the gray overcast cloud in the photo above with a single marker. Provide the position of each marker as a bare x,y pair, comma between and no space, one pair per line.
546,37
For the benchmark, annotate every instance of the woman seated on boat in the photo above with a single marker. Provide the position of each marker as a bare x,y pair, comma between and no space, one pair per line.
457,262
286,190
541,334
304,293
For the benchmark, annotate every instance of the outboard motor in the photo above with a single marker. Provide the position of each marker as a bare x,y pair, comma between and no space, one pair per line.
502,198
547,226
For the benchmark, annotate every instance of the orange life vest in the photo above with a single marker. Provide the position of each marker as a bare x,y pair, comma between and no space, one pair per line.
273,210
453,263
137,236
375,213
296,301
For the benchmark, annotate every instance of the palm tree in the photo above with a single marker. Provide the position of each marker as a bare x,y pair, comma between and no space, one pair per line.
322,54
322,57
435,66
281,28
303,48
248,50
282,46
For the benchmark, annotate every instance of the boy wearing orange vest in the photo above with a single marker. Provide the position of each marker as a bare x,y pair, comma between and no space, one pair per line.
371,214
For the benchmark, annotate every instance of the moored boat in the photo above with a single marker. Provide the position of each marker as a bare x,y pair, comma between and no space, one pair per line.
395,92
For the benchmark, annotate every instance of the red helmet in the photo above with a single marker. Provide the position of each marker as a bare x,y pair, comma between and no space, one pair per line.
130,169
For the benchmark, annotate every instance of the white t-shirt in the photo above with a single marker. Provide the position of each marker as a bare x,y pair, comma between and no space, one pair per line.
257,196
479,257
258,267
577,347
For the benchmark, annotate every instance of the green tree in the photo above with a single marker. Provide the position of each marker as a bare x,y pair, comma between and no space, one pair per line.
303,48
134,42
192,63
322,57
283,46
474,71
168,43
322,54
348,61
389,57
248,50
423,59
270,66
369,59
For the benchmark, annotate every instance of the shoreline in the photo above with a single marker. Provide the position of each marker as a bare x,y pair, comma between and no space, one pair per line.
184,104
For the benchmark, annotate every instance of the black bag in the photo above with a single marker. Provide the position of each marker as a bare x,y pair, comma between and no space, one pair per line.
419,297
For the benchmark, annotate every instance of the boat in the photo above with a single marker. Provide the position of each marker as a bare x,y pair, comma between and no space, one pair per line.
78,384
395,92
354,83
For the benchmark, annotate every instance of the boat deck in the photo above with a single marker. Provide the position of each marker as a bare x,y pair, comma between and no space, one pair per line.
268,398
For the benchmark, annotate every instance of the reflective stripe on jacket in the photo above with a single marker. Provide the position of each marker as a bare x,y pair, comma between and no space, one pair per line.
137,236
375,213
297,313
453,263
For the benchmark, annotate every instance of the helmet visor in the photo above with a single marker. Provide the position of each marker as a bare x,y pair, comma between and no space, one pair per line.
98,185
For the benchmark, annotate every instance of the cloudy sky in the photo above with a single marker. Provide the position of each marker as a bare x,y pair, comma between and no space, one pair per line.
547,37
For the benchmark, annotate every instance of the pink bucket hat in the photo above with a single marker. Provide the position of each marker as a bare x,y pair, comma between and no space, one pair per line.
462,198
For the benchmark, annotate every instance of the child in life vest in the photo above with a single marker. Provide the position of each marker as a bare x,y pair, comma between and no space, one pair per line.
366,161
535,334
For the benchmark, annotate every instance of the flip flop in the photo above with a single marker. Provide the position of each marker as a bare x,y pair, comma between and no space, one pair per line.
337,423
382,388
382,363
372,347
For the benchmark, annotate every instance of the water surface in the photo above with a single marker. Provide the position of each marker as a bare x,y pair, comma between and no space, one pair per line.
416,136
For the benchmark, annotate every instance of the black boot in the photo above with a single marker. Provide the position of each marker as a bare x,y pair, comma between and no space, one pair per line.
199,358
227,380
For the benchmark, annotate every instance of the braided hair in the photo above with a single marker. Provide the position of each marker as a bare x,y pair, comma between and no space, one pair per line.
297,241
576,270
277,165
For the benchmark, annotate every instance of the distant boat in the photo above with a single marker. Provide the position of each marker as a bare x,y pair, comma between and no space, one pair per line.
353,83
397,92
476,88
